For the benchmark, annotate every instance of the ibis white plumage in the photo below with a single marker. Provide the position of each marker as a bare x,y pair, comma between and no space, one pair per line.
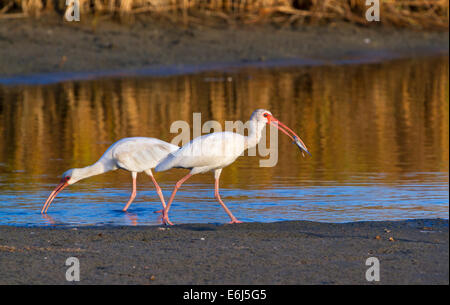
213,152
137,154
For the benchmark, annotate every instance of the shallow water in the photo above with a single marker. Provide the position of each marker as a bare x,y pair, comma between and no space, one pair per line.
378,134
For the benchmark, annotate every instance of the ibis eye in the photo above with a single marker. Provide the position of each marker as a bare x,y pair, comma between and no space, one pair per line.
265,115
67,178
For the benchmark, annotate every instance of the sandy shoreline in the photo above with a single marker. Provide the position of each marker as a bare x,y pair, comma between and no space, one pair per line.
47,45
295,252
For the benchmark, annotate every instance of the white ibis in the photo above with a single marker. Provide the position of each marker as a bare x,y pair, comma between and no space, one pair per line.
132,154
214,151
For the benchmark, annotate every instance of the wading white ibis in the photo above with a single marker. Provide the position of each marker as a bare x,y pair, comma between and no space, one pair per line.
214,151
135,155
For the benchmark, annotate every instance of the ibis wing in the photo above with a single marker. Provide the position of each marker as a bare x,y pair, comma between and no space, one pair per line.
139,154
209,150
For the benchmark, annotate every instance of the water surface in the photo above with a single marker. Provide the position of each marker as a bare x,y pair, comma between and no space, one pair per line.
378,134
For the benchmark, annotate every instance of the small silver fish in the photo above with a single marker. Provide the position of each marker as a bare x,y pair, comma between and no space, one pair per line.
302,147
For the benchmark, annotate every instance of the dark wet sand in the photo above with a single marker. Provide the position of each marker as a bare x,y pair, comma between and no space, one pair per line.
49,45
297,252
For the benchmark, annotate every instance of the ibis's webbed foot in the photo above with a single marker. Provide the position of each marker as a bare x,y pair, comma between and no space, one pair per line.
165,218
235,221
166,221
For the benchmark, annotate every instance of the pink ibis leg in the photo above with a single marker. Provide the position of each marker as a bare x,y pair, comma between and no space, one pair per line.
217,196
133,193
160,194
165,216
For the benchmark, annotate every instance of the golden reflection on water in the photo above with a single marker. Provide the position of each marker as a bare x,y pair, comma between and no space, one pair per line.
363,121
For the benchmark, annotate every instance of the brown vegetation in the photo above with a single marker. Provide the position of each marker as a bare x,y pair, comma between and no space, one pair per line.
427,14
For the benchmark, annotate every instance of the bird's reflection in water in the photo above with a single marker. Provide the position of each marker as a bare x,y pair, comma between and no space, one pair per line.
48,219
131,219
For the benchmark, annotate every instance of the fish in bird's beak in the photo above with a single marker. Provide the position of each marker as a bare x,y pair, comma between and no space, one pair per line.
52,196
286,130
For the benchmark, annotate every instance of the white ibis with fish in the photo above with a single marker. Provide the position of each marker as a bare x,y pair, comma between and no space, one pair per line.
214,151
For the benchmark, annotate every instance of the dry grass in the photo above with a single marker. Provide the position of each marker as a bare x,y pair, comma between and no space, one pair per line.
427,14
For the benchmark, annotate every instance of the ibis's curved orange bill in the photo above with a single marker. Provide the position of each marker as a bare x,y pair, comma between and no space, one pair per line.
52,196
